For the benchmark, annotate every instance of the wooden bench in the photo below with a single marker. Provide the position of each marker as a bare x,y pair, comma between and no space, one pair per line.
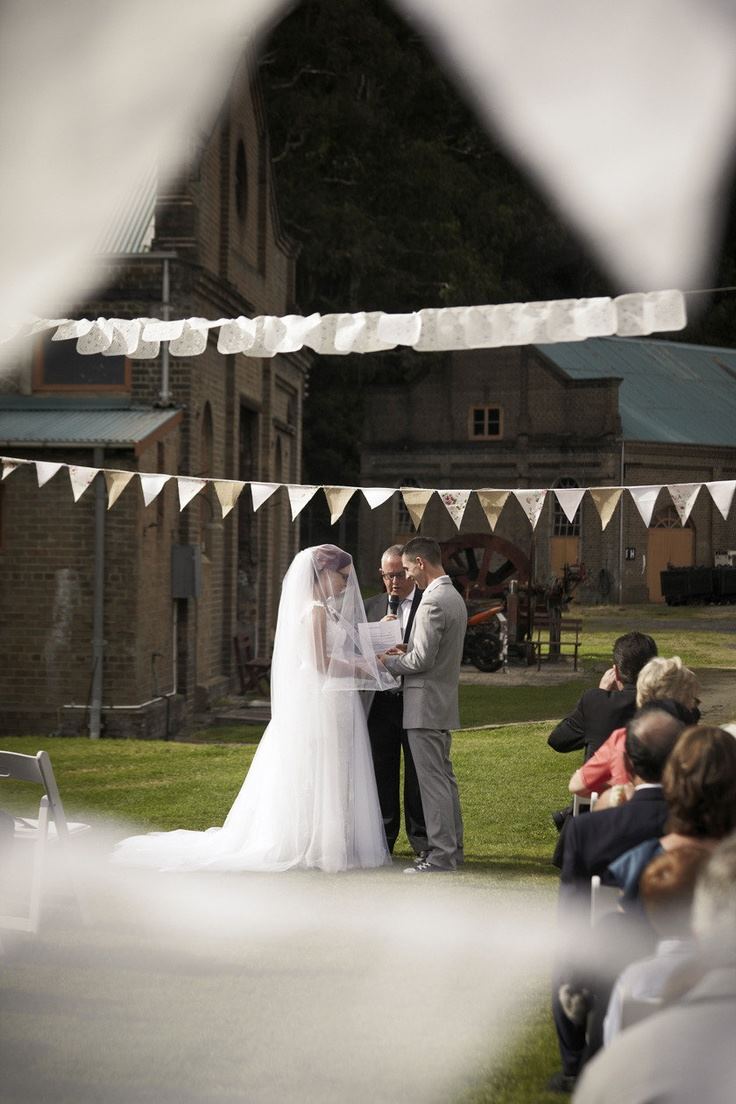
254,671
553,637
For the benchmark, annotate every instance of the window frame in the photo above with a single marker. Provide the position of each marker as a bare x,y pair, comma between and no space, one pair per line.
39,385
485,436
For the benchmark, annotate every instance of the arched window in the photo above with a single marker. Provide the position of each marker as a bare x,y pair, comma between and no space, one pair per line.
402,523
561,527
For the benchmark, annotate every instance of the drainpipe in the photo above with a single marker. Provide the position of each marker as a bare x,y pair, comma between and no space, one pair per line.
164,397
621,531
98,601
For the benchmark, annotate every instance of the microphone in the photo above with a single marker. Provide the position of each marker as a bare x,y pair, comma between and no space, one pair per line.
393,603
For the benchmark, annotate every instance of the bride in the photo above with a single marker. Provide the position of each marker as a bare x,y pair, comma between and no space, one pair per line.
309,798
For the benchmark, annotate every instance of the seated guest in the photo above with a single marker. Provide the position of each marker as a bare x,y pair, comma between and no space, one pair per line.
608,706
590,844
684,1052
699,785
667,887
659,679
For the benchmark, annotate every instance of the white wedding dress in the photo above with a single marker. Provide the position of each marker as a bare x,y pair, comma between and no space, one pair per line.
309,798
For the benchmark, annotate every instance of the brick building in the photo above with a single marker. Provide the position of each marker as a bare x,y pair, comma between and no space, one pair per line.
604,412
161,643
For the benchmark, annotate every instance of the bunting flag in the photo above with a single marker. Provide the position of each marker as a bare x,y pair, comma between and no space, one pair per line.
721,491
188,486
337,500
683,497
299,497
455,503
80,479
259,492
531,503
416,500
228,492
376,496
569,499
152,485
606,501
45,471
493,503
645,499
116,482
10,466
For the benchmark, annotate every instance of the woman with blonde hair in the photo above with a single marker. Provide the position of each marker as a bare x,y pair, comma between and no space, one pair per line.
660,680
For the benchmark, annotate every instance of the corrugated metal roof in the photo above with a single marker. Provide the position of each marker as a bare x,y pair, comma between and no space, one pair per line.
82,426
132,227
669,392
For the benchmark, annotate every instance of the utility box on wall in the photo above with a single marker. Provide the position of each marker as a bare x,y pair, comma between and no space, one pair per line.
186,571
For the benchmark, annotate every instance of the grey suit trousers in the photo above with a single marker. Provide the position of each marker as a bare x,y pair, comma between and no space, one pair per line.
430,749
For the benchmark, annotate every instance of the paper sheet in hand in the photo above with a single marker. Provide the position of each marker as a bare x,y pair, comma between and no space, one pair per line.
379,636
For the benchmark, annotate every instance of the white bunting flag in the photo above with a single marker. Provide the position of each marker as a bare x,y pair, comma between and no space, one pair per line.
193,339
228,491
606,501
399,329
683,497
80,479
493,503
299,497
98,339
531,503
72,329
125,337
721,491
416,501
376,496
259,492
645,499
455,503
337,500
10,466
188,487
569,499
152,485
237,336
45,471
116,482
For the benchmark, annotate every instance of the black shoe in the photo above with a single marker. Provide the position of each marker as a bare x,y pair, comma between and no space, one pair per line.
561,1083
559,818
420,857
427,868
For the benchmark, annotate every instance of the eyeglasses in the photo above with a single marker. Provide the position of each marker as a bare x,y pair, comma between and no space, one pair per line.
392,574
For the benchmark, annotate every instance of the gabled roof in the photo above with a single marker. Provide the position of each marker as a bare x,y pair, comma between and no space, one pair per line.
670,392
27,422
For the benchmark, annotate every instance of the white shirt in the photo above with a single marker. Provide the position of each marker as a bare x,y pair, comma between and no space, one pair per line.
405,609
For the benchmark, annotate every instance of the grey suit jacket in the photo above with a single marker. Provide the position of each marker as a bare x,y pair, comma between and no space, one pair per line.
431,666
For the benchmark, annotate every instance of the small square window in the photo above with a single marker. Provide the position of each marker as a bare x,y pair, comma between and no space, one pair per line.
485,422
59,367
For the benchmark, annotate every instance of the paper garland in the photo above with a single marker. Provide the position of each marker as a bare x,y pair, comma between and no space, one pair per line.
436,330
416,499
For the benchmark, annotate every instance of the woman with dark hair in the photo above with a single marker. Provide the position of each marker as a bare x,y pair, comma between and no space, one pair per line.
699,785
309,798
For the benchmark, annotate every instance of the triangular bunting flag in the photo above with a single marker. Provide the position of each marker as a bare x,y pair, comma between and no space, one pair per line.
45,471
455,502
152,485
569,499
188,486
606,501
493,503
645,498
80,479
683,497
721,491
416,501
228,491
10,466
116,482
531,503
299,497
376,496
337,500
261,491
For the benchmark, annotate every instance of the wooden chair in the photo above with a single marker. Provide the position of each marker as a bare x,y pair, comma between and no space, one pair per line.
50,828
254,671
557,638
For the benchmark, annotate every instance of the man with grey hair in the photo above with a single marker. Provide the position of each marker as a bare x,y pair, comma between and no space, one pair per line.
684,1052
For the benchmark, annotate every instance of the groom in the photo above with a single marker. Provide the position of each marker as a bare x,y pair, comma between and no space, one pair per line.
430,667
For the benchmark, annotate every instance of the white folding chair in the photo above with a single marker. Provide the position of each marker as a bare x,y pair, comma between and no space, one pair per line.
49,828
580,804
603,899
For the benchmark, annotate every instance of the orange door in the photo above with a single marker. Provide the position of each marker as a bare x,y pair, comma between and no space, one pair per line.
675,547
563,550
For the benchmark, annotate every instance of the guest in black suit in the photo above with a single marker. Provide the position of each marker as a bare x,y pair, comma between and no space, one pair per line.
591,842
611,704
385,719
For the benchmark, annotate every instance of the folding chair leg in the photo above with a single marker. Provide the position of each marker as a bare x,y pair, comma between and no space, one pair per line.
39,866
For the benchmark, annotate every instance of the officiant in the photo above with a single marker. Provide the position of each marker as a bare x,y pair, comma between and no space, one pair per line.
385,719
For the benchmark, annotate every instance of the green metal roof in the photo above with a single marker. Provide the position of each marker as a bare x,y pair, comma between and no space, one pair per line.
78,423
132,226
669,391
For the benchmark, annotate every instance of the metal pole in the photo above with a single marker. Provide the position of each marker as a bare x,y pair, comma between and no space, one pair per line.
98,601
165,394
621,530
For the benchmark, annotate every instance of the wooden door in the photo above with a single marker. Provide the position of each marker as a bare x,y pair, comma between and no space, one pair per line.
563,550
674,547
